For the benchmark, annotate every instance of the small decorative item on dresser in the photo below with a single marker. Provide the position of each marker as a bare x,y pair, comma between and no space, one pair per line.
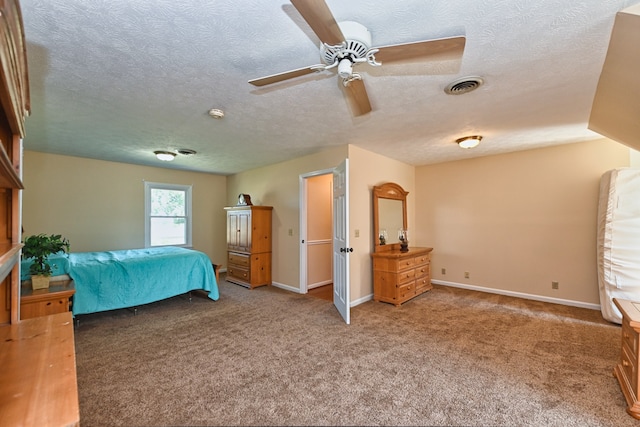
404,240
244,200
383,237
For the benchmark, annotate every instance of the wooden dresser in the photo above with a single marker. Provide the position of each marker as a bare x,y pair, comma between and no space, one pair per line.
627,370
249,245
399,276
43,302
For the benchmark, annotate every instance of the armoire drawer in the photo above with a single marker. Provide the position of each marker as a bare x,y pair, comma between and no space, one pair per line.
240,273
239,259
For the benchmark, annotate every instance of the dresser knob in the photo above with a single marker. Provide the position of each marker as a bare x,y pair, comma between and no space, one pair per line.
625,334
625,363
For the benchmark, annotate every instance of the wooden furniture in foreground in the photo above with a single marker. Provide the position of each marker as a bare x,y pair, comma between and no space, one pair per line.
38,375
14,107
627,371
249,245
42,302
400,276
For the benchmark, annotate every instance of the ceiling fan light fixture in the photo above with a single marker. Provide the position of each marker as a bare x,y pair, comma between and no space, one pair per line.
469,141
165,156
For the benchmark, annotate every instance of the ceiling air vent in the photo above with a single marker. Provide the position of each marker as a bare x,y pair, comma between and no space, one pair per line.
463,85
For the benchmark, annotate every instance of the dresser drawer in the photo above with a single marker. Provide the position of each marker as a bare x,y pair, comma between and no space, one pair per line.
406,291
239,259
422,259
422,271
406,263
406,276
629,367
630,339
44,308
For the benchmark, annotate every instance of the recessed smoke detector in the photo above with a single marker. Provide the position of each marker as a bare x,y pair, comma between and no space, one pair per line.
216,113
463,85
186,151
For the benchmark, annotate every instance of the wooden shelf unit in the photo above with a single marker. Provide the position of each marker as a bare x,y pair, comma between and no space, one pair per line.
38,375
14,103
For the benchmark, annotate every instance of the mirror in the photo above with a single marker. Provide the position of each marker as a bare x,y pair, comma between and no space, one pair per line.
389,215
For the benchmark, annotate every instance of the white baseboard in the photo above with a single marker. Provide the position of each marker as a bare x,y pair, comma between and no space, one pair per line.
286,287
297,290
318,284
473,288
519,295
361,300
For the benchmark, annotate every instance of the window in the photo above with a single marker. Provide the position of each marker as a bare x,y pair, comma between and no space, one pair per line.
167,210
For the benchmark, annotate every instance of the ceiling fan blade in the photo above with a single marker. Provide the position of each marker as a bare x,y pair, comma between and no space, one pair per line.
274,78
320,19
447,48
358,97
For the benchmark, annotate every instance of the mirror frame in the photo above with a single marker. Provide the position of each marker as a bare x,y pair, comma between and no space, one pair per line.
388,190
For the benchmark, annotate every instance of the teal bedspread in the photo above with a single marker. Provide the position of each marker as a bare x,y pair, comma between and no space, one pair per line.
128,278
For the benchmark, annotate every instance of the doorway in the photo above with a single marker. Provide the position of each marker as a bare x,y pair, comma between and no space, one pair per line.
316,266
324,225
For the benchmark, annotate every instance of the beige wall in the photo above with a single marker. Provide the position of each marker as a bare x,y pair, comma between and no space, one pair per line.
99,205
515,222
279,186
367,169
518,221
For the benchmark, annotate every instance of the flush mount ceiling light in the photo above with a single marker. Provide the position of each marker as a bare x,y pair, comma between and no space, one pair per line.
216,113
469,141
165,156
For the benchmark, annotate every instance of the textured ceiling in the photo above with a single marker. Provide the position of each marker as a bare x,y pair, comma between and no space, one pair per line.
118,79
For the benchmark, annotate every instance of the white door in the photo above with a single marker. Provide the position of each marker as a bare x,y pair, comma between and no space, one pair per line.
341,247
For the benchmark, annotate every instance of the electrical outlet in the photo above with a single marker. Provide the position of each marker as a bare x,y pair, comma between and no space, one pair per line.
555,285
466,274
357,233
444,271
291,232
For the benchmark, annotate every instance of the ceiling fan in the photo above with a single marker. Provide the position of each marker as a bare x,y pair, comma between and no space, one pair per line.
347,44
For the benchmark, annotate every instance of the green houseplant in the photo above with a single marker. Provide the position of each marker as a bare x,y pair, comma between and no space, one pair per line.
38,247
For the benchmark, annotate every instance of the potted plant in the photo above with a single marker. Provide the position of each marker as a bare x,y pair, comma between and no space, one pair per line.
39,247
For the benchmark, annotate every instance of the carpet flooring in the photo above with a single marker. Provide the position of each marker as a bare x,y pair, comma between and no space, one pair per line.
266,356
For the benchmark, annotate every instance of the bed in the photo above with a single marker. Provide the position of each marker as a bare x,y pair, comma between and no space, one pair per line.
618,239
129,278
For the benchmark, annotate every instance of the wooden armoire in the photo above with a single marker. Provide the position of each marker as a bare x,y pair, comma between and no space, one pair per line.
14,96
249,245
